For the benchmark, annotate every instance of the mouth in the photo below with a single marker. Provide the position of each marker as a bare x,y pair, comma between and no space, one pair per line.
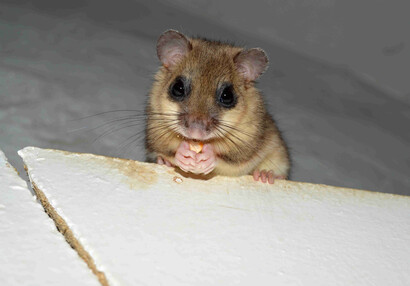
195,134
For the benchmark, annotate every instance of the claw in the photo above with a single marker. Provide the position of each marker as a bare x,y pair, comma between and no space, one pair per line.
160,161
163,161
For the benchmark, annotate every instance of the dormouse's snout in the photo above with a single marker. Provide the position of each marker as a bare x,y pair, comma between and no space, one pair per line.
197,126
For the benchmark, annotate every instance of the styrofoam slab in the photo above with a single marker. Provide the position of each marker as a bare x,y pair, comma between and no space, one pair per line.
32,251
144,224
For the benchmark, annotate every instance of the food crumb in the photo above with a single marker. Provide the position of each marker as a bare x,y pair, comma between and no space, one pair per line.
177,180
196,146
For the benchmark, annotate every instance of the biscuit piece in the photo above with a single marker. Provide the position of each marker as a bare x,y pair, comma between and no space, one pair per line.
196,146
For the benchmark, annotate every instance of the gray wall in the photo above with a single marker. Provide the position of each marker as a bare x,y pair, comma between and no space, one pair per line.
63,60
370,37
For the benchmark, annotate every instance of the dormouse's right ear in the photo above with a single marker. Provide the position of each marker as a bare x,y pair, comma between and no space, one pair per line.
172,46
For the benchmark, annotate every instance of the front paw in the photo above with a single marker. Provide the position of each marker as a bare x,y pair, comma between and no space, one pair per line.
185,158
205,161
266,176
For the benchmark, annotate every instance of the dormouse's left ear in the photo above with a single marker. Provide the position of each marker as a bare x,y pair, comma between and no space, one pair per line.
251,63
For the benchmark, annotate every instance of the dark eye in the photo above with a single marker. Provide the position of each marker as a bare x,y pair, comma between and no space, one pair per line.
177,89
227,97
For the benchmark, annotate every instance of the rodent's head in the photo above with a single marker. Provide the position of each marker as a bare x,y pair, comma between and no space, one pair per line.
205,89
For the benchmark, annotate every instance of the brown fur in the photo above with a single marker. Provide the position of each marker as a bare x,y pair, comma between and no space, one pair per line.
253,142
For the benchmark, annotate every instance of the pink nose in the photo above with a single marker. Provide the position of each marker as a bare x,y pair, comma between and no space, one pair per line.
201,123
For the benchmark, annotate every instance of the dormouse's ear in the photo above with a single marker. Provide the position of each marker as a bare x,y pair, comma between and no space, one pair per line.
251,63
172,46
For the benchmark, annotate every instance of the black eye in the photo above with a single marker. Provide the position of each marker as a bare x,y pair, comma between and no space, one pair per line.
177,89
227,97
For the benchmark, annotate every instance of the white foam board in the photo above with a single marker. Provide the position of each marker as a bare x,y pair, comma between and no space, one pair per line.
144,224
32,251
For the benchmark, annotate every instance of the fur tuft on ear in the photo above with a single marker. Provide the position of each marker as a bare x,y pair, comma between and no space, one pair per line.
172,46
251,63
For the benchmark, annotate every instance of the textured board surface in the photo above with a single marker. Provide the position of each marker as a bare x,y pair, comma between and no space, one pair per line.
144,224
32,251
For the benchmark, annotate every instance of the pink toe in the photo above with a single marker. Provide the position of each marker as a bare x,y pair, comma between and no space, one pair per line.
168,163
208,165
256,175
184,151
271,178
209,169
263,176
202,157
183,166
185,160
